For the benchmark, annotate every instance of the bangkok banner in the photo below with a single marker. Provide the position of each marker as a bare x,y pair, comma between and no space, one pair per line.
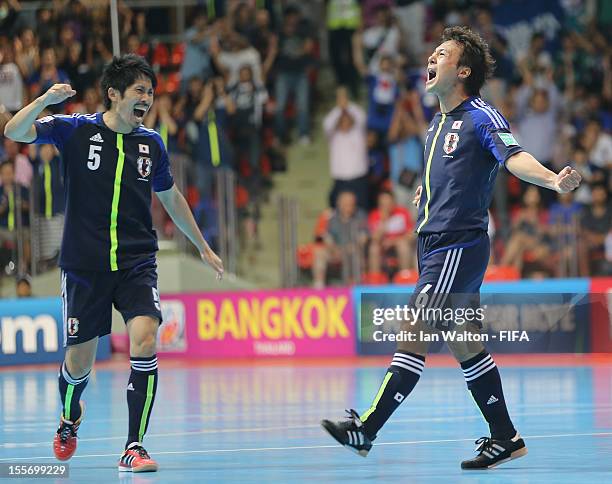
300,322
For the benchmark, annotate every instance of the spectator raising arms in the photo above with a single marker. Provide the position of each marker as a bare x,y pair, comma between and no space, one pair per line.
344,127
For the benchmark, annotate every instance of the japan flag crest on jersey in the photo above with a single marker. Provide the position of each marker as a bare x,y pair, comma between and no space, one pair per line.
450,142
144,166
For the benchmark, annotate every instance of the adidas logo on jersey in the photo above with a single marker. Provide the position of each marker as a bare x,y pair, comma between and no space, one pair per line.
492,400
130,386
97,138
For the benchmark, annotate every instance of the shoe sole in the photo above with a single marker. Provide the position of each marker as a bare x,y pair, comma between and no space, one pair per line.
362,453
145,468
515,455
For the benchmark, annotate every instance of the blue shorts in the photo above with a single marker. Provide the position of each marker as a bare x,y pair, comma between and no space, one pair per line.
88,296
451,270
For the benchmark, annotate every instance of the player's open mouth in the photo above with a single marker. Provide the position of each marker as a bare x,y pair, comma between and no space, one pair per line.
431,74
139,112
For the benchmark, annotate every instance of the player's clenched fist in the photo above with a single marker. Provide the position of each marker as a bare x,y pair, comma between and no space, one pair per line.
58,93
568,179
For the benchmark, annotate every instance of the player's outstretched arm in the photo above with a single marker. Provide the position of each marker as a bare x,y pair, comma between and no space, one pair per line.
527,168
21,127
175,204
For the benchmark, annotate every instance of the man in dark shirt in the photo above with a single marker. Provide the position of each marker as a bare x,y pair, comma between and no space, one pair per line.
295,56
596,223
466,144
110,165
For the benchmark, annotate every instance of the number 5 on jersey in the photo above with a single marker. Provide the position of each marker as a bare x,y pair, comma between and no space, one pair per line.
94,157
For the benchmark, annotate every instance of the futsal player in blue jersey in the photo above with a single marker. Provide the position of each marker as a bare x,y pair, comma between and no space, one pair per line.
111,164
467,143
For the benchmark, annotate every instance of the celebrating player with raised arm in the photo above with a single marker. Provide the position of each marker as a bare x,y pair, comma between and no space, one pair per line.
466,144
110,164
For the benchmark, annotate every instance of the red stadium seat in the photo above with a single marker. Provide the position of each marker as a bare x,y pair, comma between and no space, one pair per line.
161,56
375,278
501,273
173,82
178,54
406,276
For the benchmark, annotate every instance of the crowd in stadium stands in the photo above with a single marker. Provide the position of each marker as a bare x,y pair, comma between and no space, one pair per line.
244,74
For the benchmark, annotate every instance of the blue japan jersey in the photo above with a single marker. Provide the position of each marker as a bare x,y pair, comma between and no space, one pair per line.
108,179
463,152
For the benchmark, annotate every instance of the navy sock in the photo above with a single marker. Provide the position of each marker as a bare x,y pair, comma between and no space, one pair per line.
70,392
401,378
141,395
483,380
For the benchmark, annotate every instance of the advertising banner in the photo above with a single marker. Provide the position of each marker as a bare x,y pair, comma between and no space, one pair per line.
515,317
31,332
601,316
296,322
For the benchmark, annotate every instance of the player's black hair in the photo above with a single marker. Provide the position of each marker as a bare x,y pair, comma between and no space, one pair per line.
122,72
476,55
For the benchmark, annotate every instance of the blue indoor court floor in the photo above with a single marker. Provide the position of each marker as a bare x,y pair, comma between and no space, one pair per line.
259,422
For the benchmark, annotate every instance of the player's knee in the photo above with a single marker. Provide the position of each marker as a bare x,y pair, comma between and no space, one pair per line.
463,351
144,345
78,364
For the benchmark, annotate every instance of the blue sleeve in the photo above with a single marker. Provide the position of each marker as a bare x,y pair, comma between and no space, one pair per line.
497,140
54,129
162,178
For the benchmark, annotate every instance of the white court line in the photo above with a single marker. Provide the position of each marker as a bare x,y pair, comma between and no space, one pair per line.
16,445
307,447
24,422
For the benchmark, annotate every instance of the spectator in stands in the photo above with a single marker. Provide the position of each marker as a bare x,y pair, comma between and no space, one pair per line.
295,57
580,163
564,224
249,97
382,39
596,224
91,102
47,75
266,42
80,74
383,92
9,18
598,144
46,27
161,120
243,20
21,163
345,240
12,196
391,230
406,149
236,53
538,107
11,83
23,286
26,53
344,127
197,61
343,20
214,150
529,233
